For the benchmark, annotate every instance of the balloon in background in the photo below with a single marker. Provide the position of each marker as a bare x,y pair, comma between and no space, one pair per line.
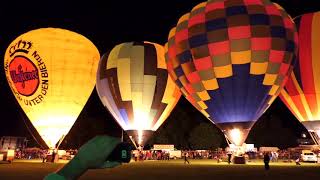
51,73
133,84
302,91
231,59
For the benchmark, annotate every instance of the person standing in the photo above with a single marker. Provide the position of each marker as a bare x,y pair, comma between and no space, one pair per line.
186,158
44,156
53,155
276,155
229,156
266,160
298,161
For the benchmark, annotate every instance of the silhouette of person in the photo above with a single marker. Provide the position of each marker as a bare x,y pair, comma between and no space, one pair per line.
44,156
266,160
229,157
298,161
53,155
186,158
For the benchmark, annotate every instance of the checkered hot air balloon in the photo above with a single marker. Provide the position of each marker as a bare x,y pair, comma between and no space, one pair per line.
133,84
231,58
302,91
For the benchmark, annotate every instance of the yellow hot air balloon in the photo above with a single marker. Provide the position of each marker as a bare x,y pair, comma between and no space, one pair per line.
51,73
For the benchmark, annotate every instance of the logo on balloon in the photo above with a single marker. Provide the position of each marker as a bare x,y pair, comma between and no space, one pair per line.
24,75
27,72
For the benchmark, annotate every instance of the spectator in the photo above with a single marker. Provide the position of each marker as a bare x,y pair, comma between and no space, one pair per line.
186,158
229,156
298,161
266,160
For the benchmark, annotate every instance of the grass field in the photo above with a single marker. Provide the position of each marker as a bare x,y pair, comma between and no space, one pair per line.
173,169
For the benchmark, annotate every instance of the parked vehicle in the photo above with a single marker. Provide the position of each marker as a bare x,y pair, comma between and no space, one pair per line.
308,156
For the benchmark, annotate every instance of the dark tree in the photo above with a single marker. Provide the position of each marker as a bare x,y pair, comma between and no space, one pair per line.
159,137
276,128
205,136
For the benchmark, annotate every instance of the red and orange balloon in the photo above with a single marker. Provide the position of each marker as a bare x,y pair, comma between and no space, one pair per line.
302,91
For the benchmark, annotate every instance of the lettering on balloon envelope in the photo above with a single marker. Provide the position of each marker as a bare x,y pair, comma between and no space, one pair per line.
27,73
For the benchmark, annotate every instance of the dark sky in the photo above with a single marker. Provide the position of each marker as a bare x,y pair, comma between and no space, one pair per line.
106,24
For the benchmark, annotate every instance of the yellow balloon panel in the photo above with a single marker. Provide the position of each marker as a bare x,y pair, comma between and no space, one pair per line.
52,73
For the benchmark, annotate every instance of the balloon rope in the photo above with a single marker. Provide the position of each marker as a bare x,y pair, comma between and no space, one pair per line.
134,143
30,131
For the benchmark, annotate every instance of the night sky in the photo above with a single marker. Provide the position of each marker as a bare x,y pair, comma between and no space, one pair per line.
107,24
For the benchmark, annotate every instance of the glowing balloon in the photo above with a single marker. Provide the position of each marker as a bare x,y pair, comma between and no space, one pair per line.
51,72
133,84
230,59
302,91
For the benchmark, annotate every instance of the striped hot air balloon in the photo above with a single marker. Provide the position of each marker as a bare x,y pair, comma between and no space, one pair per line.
302,91
133,84
230,59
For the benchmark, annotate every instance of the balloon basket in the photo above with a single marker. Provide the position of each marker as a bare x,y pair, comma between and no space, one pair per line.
52,159
239,160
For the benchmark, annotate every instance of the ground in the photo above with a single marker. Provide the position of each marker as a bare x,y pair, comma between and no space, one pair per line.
173,169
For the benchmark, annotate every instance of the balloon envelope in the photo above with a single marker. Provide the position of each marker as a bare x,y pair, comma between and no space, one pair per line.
133,84
51,73
302,91
231,59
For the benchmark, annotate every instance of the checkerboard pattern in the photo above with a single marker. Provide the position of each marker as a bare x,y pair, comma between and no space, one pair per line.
133,83
222,45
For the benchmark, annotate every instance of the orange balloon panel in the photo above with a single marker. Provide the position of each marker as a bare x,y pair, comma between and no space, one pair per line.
51,72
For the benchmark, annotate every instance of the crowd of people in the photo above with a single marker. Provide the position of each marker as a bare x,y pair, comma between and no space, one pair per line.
31,153
150,155
37,153
219,155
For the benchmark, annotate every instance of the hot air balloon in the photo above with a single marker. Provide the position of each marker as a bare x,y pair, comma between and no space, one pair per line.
52,73
133,84
230,59
302,91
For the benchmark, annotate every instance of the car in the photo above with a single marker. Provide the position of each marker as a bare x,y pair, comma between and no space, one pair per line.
308,156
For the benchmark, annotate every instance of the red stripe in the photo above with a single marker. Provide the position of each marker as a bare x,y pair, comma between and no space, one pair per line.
291,88
305,57
297,101
312,102
305,54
